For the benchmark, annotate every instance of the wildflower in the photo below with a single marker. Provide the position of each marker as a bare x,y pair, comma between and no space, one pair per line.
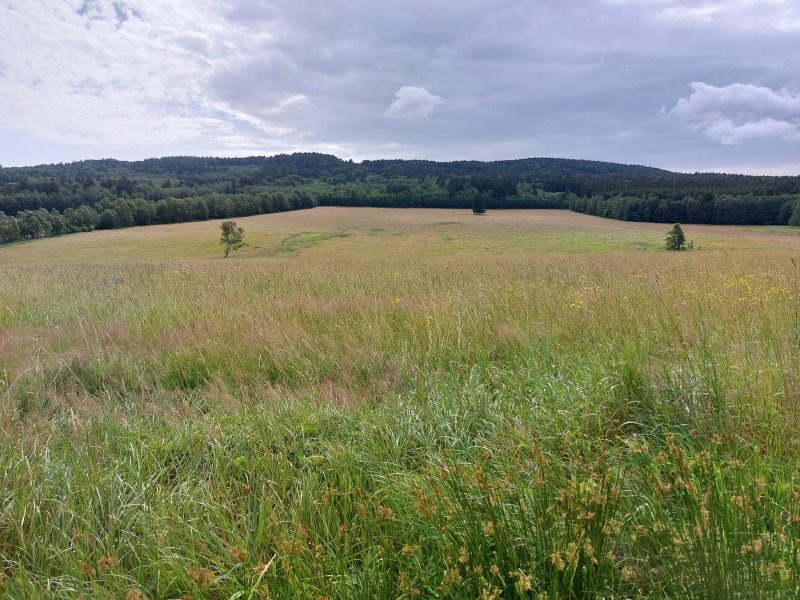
705,515
452,577
524,583
743,504
664,488
135,595
689,486
342,529
558,562
463,555
494,570
330,493
573,553
628,573
105,563
488,528
402,581
290,547
203,577
238,555
753,547
490,593
87,570
385,513
407,551
425,506
588,549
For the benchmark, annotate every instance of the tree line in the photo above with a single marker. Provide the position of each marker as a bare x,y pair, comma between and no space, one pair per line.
113,214
105,194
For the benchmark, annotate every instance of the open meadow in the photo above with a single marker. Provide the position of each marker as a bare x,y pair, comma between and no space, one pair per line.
401,403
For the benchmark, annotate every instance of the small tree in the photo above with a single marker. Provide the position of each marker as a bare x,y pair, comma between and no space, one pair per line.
675,239
478,204
232,236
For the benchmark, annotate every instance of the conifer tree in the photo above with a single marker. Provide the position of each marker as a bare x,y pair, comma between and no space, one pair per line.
675,239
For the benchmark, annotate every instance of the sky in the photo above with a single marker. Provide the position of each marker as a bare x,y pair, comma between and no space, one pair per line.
677,84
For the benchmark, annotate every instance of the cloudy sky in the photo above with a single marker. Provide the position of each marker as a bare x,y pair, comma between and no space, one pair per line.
678,84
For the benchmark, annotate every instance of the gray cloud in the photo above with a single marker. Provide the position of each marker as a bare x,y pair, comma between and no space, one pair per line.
574,78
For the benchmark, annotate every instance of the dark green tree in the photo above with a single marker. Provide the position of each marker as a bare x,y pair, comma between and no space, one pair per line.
32,223
108,219
58,224
232,236
9,229
794,220
84,218
479,203
676,240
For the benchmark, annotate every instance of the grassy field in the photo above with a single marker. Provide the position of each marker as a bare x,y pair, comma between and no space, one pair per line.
376,403
382,232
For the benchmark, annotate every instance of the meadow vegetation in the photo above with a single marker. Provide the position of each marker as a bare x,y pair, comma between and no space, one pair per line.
401,404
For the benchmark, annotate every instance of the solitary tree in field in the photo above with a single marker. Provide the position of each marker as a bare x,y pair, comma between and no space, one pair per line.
675,239
232,236
478,204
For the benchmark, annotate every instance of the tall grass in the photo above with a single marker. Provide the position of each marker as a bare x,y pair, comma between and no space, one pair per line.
564,426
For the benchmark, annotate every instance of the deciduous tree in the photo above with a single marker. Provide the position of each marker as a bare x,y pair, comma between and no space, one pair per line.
232,236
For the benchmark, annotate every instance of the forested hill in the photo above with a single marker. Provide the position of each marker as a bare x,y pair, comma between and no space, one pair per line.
102,194
310,164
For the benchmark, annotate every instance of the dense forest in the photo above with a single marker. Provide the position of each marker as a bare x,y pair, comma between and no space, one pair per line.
56,199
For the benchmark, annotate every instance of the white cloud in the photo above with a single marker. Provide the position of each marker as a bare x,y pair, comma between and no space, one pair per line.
740,112
728,132
761,15
413,103
107,73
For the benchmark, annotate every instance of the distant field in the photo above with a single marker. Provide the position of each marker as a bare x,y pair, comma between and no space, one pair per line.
367,232
378,403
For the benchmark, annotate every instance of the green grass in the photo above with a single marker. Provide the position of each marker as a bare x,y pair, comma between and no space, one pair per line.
305,239
539,406
371,232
